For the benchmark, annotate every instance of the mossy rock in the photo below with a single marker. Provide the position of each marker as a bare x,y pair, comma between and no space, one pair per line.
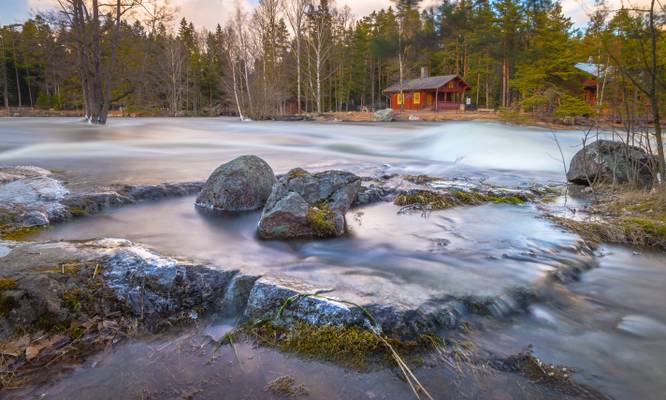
321,219
19,234
351,346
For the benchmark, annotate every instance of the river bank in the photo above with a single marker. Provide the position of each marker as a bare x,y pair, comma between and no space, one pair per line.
64,300
484,275
526,119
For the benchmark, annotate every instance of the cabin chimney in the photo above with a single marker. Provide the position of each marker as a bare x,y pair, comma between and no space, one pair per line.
424,72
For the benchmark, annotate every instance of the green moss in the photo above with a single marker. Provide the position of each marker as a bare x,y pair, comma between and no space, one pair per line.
652,228
73,299
353,347
427,198
77,211
75,330
7,284
21,234
321,219
515,200
470,197
298,172
441,201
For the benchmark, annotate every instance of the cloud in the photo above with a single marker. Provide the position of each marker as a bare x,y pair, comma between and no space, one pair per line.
208,13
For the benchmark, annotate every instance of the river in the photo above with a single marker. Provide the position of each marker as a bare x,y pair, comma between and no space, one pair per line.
610,326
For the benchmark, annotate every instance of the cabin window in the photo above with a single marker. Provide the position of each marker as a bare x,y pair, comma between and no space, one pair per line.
400,98
417,98
451,85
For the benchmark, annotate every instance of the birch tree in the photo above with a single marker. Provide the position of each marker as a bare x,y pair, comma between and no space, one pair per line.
296,11
319,41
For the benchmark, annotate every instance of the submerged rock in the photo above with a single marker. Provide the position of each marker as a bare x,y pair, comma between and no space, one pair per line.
242,184
606,161
305,205
385,115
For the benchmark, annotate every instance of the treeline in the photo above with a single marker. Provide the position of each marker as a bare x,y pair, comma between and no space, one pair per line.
289,56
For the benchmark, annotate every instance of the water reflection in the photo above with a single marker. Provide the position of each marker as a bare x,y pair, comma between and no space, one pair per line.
403,259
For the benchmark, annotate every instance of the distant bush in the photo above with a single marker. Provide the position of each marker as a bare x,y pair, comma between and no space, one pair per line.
571,106
47,101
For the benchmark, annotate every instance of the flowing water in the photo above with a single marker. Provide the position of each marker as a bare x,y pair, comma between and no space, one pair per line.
610,326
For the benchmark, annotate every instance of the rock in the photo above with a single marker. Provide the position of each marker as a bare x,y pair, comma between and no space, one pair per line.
606,161
161,191
385,115
413,117
242,184
33,218
269,294
152,286
305,205
30,191
30,197
371,194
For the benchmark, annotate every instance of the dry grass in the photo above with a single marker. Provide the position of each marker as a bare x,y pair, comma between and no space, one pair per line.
627,217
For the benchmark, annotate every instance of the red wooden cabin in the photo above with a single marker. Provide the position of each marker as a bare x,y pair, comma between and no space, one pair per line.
446,92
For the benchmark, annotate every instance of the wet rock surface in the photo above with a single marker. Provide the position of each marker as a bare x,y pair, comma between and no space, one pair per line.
115,275
305,205
104,288
33,197
242,184
606,161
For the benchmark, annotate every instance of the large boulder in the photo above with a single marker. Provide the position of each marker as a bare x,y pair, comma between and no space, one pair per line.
606,161
385,115
242,184
305,205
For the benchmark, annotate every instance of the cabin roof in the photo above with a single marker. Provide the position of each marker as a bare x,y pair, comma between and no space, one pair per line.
595,70
431,83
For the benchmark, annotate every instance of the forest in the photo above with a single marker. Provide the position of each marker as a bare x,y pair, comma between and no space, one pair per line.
293,56
338,224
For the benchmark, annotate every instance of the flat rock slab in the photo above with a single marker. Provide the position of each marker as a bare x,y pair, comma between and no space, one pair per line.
32,197
144,284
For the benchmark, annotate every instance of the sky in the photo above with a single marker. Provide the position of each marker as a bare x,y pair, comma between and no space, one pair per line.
209,13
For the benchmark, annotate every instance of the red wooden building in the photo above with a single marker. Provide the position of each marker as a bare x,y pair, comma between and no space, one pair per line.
446,92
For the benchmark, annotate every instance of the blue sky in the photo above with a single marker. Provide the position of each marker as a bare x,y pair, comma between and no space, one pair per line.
12,10
209,12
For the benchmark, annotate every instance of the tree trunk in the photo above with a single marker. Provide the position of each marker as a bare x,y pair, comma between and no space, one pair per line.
16,73
298,71
5,80
654,97
238,106
318,82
